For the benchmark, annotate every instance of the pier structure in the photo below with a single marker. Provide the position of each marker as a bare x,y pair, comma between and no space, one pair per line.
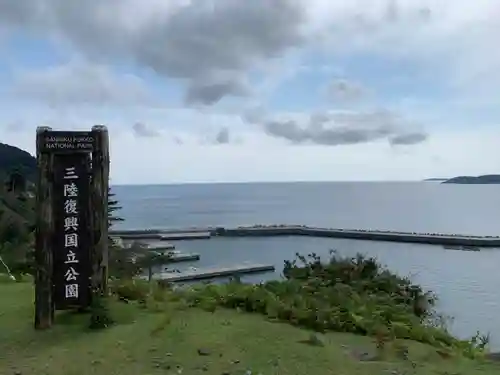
213,272
302,230
161,236
145,245
180,257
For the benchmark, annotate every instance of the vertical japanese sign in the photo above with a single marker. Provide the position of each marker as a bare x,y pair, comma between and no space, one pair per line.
71,250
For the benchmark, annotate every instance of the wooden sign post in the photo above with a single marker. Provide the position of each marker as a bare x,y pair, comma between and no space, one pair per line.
71,239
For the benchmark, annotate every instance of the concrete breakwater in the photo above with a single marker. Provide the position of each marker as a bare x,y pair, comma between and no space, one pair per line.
300,230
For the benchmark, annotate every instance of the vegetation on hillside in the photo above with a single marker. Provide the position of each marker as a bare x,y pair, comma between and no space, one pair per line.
325,301
304,323
14,159
16,223
17,212
344,295
485,179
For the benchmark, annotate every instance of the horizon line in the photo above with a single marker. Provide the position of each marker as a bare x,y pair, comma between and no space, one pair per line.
268,182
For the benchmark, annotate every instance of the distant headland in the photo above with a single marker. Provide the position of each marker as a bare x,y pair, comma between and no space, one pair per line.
484,179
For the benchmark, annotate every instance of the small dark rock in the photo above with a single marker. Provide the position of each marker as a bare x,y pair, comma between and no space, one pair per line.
203,352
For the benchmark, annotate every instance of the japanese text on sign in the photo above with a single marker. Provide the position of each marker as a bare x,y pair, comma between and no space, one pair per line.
70,191
71,240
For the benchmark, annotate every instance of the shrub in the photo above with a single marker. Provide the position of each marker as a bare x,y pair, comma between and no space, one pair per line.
353,295
129,289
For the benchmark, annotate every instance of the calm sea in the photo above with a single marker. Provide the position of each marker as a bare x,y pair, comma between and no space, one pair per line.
467,283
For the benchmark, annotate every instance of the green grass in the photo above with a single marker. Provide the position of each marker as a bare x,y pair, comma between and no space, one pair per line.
146,342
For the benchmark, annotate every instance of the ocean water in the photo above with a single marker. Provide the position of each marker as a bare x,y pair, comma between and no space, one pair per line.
465,282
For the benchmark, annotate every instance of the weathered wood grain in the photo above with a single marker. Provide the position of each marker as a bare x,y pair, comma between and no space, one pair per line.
99,205
44,307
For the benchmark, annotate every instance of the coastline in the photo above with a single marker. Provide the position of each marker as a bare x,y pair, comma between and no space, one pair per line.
302,230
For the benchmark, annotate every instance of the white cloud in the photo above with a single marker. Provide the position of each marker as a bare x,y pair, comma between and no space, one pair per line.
219,49
455,38
212,44
261,158
336,128
198,42
80,83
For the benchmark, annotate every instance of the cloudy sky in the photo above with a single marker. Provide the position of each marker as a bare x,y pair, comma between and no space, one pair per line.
261,90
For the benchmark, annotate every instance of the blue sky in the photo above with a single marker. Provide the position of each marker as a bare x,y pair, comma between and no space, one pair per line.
268,90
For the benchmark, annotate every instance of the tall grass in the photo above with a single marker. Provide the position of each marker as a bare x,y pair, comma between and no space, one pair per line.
355,295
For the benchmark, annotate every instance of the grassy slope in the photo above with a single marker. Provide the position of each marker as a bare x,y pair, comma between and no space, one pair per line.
156,343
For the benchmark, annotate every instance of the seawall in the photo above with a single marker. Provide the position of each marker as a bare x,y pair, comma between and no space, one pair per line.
298,230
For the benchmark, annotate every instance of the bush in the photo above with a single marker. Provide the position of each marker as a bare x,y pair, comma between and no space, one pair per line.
354,295
346,295
129,289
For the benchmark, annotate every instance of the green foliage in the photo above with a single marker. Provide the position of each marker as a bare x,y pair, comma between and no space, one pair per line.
17,171
100,316
363,275
112,208
16,230
16,182
345,295
129,262
13,158
130,290
121,263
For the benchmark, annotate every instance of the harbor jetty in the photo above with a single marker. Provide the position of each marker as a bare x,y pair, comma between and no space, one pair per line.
183,257
211,273
302,230
174,257
161,236
147,246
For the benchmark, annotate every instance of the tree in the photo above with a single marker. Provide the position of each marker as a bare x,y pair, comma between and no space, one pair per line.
132,261
119,261
128,262
16,182
112,208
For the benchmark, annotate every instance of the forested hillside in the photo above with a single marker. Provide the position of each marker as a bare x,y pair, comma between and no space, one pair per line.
17,174
13,158
17,210
485,179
